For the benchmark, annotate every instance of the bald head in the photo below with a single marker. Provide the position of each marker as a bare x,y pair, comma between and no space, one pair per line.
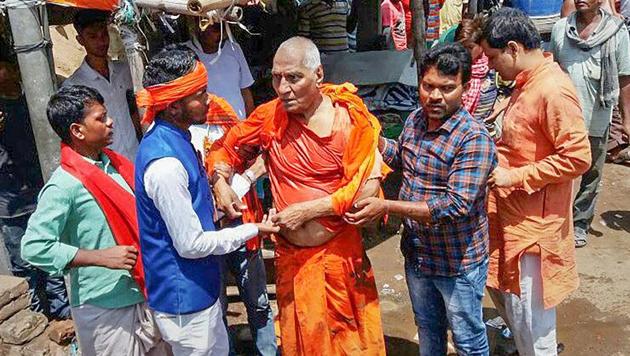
302,49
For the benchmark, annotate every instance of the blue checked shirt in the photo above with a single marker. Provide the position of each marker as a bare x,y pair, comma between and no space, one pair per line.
448,169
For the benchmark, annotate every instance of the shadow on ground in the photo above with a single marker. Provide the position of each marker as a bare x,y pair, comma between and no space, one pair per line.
617,220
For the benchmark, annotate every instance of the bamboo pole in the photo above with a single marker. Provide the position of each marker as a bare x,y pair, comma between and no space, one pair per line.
171,6
203,6
419,40
186,7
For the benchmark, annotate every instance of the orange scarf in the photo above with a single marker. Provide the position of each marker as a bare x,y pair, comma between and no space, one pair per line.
158,97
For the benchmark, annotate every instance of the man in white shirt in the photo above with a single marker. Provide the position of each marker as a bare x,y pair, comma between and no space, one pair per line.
229,78
110,78
179,243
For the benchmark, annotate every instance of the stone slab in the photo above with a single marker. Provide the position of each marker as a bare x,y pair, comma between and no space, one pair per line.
11,288
20,303
61,331
22,327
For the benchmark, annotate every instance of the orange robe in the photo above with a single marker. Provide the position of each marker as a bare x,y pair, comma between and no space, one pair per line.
326,294
221,113
545,145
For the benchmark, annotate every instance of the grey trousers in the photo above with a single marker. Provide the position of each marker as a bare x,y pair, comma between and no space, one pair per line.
129,331
586,197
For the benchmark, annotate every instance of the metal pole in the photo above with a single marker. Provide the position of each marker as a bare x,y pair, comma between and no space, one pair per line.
418,24
37,80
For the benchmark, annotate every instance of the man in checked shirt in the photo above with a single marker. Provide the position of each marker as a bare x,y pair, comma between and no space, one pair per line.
446,158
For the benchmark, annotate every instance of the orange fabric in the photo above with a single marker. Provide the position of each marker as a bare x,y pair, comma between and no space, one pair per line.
156,98
545,145
269,122
222,114
106,5
327,296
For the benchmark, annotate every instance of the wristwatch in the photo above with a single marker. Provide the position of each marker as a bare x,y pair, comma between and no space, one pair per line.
250,175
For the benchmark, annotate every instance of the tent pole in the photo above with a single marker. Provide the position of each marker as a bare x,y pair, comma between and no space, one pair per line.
38,80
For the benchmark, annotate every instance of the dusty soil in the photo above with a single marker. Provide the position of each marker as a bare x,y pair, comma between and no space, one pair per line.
593,320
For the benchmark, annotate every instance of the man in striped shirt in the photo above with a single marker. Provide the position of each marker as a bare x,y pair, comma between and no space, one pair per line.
324,22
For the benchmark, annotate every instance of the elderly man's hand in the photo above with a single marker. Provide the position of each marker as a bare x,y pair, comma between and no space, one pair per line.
293,217
500,178
368,210
227,201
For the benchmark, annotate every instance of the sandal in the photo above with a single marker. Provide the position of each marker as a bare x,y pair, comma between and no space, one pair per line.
580,237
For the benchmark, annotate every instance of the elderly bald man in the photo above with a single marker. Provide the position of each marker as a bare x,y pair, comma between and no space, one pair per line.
321,149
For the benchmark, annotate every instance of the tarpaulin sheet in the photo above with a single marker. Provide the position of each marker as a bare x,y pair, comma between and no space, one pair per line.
107,5
371,68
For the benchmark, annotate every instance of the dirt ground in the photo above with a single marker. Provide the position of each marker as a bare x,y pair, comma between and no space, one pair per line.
594,320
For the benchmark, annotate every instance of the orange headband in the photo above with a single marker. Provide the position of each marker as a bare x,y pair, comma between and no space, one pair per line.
156,98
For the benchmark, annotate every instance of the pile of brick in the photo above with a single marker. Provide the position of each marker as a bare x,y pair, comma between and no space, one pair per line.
24,332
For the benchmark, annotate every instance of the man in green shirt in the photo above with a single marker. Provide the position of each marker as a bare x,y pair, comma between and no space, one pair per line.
85,211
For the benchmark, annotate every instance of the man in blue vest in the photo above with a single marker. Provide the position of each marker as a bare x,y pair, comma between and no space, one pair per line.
178,240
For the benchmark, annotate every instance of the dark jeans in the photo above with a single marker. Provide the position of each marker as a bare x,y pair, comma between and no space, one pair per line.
48,293
586,198
248,268
455,302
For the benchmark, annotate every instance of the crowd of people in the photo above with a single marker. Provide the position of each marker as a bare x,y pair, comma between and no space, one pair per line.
157,197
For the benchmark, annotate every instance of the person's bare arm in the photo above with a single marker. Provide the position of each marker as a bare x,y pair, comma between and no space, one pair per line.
117,257
624,102
248,98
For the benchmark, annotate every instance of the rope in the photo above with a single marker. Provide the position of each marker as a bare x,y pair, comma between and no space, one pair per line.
31,47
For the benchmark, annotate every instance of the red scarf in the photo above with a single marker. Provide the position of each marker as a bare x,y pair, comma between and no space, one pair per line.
480,69
117,204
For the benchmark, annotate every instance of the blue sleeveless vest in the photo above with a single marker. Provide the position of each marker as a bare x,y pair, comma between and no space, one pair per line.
175,285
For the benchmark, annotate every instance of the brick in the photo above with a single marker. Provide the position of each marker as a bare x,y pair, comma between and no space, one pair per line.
22,327
20,303
11,288
61,331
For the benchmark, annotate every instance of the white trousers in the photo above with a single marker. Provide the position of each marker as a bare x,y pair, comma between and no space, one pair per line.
533,327
197,334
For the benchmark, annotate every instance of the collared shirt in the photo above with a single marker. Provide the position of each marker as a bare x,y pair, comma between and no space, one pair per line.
544,145
448,168
585,70
67,219
114,91
228,75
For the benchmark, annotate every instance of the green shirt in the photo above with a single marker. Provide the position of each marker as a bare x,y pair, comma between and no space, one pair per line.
67,219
